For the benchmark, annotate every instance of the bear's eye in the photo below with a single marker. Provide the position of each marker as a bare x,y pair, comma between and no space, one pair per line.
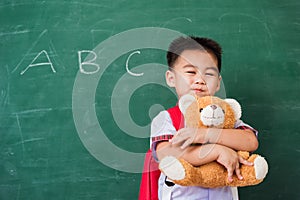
223,111
200,109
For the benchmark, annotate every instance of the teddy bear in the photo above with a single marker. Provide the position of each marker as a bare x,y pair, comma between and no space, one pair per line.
211,111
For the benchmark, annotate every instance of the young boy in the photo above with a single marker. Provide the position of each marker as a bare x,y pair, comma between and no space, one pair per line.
194,67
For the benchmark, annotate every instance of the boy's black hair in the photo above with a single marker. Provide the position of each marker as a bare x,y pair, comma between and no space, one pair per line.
190,43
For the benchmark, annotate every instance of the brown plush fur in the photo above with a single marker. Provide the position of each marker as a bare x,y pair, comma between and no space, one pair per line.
192,116
213,174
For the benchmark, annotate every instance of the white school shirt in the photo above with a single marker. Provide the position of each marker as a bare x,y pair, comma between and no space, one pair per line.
162,125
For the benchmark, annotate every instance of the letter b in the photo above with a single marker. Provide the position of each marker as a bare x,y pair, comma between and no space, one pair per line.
90,62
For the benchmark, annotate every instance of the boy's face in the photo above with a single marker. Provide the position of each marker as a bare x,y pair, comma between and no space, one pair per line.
194,72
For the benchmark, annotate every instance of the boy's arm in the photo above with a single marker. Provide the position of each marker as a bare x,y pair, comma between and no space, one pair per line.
202,154
237,139
196,155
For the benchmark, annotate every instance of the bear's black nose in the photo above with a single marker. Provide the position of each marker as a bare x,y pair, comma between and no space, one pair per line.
214,107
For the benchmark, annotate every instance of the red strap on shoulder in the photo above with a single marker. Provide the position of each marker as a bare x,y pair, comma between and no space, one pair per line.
177,117
150,176
151,173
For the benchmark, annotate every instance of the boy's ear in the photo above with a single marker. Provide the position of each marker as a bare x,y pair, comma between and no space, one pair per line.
219,83
185,101
170,78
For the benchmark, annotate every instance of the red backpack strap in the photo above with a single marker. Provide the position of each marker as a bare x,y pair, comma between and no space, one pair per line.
150,176
177,117
151,173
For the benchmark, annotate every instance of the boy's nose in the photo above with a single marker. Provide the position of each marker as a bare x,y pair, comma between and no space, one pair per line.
200,80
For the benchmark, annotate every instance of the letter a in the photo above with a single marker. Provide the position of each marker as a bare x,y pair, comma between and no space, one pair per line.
40,64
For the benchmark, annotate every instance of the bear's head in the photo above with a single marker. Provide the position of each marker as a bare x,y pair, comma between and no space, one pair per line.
209,111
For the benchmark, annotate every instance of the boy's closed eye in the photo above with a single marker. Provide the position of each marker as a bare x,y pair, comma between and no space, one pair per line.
190,69
210,74
191,72
212,71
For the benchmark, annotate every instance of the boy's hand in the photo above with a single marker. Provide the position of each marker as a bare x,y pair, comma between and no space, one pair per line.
187,136
231,161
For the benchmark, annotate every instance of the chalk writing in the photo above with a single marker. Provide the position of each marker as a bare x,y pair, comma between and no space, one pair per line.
88,62
32,64
127,61
33,45
87,66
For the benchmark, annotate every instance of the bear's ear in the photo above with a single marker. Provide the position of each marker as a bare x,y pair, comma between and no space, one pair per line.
185,101
236,107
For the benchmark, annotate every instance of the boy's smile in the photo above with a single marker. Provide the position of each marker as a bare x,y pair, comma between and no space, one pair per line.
196,72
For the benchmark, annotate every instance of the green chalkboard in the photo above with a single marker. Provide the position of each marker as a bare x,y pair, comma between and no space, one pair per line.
80,82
